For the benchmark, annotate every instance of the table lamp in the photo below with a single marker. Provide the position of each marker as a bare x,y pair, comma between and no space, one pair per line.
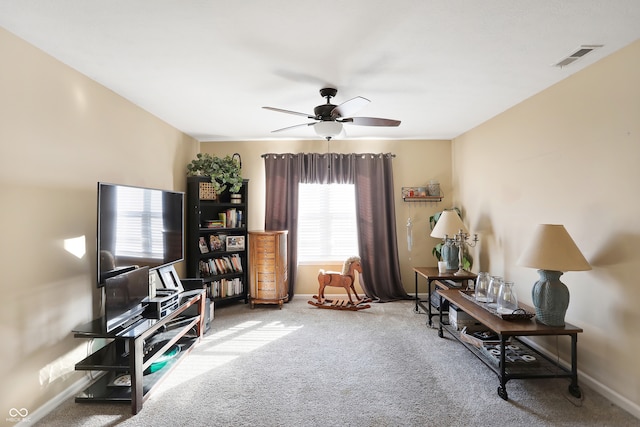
552,251
454,234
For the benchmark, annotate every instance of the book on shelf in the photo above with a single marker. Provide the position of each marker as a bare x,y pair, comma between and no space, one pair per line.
216,223
203,269
225,288
206,269
227,264
237,263
231,217
221,265
213,267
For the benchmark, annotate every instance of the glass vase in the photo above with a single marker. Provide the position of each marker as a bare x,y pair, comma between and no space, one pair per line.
507,299
494,288
482,286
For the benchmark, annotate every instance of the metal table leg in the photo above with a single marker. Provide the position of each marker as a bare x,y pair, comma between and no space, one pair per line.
417,310
502,390
574,388
440,331
429,315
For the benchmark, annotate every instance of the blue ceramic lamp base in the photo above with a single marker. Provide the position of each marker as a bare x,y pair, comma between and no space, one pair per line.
550,298
450,255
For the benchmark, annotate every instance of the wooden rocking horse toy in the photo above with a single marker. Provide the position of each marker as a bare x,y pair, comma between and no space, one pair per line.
345,280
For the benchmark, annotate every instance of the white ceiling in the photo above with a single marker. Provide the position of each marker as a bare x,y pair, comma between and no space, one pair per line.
208,66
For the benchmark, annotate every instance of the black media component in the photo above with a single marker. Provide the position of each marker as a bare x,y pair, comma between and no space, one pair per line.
125,297
162,304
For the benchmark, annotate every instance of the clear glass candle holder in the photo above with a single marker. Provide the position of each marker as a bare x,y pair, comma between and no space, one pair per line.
507,299
494,288
482,286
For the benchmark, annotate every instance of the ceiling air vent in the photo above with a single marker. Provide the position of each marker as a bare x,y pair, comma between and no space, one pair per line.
577,54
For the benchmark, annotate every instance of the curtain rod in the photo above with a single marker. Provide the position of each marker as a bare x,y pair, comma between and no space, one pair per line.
324,154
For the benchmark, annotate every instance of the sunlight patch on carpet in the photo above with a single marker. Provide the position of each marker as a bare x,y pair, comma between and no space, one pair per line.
253,339
198,364
230,331
224,346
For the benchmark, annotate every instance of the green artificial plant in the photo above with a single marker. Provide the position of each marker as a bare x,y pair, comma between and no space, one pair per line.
224,171
467,259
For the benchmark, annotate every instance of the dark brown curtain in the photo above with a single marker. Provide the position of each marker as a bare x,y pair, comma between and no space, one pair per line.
376,216
372,176
281,205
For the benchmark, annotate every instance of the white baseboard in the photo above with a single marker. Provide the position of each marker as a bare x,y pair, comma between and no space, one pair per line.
52,404
613,396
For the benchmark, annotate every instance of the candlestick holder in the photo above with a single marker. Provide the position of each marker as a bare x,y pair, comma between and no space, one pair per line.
460,240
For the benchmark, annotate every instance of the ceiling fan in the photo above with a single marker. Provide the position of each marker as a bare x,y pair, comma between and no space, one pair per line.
329,117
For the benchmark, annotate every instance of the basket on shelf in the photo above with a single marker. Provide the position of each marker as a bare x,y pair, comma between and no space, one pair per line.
207,192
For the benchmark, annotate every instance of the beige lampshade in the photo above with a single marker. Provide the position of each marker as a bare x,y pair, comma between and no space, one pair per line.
551,248
449,223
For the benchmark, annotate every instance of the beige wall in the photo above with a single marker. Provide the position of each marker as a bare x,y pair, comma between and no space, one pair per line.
569,155
415,164
60,133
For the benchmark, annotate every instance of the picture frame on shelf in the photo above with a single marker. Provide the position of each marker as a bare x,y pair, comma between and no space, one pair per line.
235,243
215,242
202,244
169,278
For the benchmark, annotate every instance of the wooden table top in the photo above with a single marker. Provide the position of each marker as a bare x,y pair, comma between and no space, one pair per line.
433,273
505,327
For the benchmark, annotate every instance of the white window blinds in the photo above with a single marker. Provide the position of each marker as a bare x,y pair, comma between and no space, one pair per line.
326,222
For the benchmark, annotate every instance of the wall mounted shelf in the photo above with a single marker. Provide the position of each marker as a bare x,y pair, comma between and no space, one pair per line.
423,199
419,194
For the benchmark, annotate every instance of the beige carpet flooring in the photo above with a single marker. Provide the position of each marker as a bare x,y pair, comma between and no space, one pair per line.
304,366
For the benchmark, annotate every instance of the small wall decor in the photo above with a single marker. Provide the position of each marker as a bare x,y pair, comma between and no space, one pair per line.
433,189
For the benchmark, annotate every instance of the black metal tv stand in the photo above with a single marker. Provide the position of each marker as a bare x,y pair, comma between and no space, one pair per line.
126,353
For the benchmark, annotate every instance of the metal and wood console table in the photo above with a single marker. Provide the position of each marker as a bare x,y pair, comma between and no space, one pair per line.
544,367
432,274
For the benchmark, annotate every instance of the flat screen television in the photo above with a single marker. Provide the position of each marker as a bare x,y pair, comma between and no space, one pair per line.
124,295
138,227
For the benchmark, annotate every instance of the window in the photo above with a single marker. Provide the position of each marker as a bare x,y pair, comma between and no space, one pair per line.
326,222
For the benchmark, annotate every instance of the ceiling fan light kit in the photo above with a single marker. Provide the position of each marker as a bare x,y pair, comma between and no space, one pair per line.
328,129
329,117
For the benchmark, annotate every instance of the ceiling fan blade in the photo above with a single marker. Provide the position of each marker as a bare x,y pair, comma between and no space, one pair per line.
370,121
350,107
294,126
280,110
